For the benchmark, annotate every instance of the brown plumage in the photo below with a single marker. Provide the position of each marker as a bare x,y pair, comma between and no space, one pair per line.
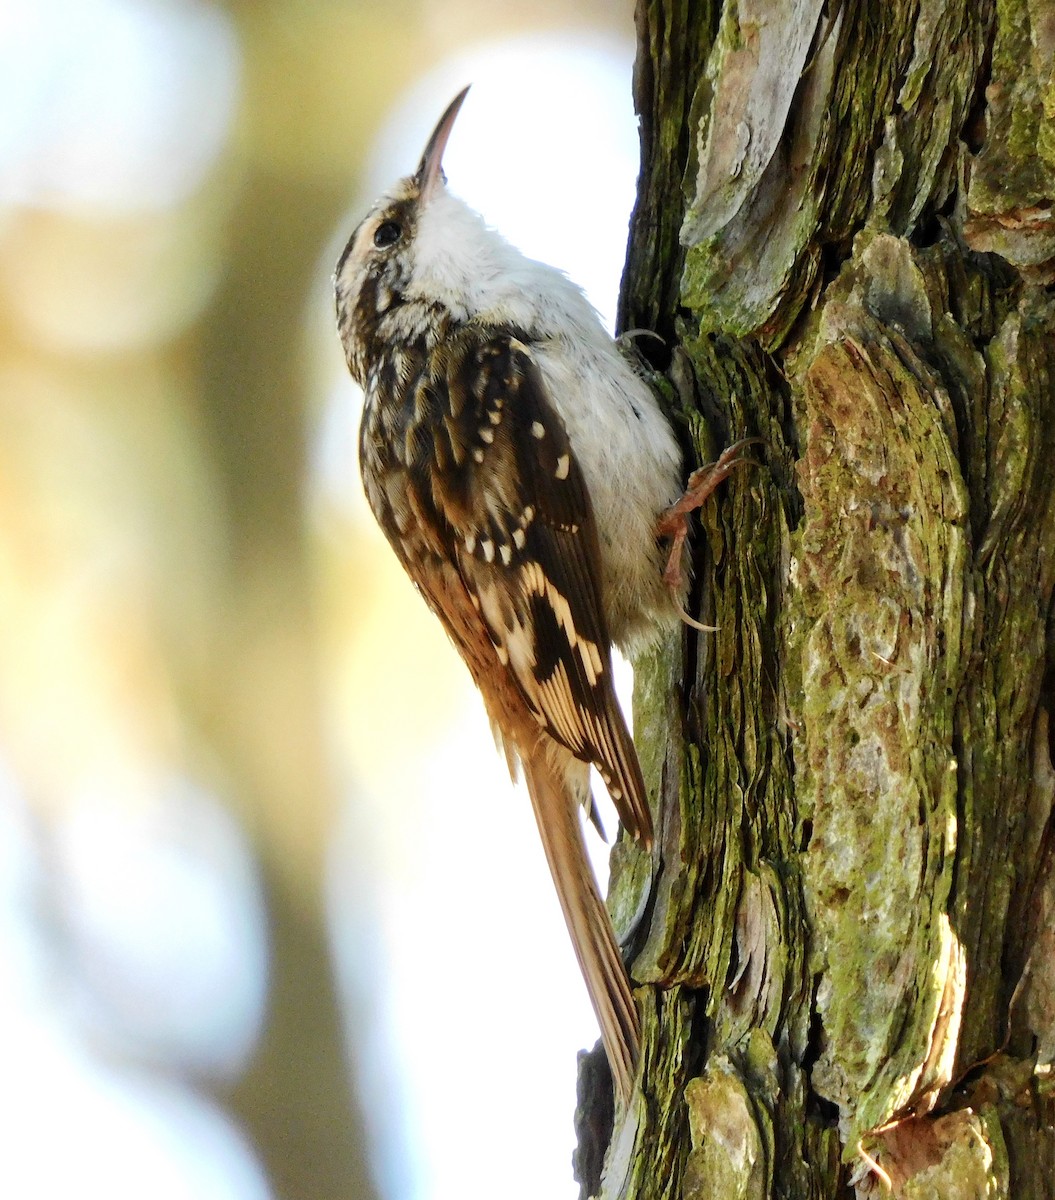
453,466
517,467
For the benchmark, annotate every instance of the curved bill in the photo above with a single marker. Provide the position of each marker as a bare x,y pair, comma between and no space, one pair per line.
429,174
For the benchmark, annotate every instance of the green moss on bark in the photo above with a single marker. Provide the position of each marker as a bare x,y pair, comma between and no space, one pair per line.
848,913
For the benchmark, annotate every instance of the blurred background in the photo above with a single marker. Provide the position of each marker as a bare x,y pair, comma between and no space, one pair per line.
273,921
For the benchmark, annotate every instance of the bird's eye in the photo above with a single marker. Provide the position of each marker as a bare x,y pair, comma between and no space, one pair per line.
387,234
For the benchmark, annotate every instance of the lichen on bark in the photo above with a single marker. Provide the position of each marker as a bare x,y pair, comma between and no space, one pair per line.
843,944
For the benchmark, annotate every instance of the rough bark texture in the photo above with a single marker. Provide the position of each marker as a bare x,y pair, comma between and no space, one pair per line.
845,944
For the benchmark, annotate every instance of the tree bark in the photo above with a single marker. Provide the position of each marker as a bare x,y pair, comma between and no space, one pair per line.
844,944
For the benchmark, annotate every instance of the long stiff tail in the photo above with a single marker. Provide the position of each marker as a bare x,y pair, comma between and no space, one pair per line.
556,812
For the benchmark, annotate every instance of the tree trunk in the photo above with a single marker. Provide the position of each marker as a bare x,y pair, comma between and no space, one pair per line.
845,946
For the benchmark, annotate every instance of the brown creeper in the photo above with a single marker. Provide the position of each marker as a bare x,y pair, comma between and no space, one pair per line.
518,467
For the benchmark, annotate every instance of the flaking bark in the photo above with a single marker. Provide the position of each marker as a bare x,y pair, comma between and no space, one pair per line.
845,951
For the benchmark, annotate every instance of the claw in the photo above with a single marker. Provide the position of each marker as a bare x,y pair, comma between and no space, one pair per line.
628,335
692,622
674,523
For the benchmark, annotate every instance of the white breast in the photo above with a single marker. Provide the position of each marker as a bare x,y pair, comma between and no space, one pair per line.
632,467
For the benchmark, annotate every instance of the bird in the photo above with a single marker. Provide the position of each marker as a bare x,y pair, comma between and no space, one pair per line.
525,476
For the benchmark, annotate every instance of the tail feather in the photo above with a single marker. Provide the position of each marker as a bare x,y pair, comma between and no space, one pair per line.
587,918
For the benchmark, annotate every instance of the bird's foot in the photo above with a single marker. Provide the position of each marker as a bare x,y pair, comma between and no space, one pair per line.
674,523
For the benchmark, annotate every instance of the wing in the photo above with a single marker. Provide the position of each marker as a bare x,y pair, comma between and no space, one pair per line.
469,472
524,541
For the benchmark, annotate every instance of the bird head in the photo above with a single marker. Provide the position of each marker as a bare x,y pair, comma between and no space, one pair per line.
417,243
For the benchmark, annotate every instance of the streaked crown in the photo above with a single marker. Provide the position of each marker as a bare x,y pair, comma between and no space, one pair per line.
376,272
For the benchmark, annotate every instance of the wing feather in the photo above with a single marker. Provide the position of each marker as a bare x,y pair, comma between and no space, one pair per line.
490,516
526,546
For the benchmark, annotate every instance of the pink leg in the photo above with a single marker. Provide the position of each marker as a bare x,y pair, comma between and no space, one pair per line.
674,523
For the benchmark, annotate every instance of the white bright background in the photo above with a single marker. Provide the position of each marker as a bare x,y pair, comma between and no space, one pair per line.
133,925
